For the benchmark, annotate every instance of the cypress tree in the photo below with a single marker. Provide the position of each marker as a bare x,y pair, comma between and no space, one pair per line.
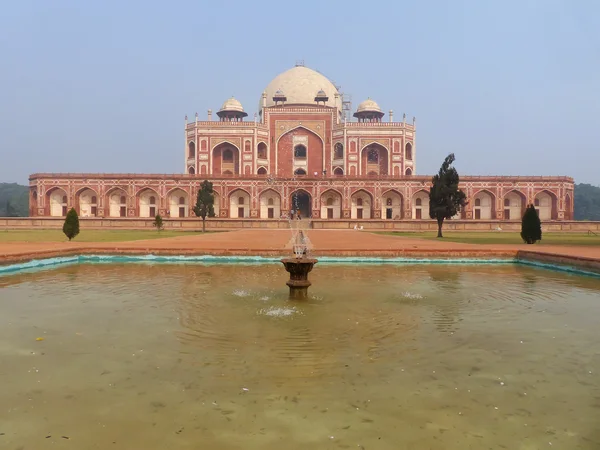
531,226
205,203
71,225
158,222
445,198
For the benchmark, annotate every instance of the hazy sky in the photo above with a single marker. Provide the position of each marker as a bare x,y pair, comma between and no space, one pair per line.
511,87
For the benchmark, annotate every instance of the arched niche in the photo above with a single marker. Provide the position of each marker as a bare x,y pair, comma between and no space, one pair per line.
331,204
361,205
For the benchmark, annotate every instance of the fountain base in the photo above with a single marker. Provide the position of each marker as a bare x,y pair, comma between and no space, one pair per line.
298,269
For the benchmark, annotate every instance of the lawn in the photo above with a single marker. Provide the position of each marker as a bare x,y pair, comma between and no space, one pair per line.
87,235
503,237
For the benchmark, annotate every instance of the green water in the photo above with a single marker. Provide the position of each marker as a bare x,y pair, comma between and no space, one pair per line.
141,356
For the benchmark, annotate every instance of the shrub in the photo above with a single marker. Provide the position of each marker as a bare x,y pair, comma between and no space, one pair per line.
158,222
531,226
71,225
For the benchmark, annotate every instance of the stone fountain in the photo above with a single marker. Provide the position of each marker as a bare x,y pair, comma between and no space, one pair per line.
300,264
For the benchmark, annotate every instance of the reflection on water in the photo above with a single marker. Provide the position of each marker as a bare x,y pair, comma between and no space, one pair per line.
178,356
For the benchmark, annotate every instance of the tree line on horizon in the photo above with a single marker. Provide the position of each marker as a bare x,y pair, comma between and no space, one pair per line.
14,201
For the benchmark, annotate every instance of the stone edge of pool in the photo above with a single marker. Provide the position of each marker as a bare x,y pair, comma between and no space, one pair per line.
555,260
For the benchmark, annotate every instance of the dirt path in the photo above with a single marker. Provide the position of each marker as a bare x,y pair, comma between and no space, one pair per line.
274,242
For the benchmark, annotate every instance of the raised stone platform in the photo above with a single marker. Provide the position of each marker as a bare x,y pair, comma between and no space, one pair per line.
273,224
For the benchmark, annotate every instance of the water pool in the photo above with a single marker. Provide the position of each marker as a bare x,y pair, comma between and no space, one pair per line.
191,356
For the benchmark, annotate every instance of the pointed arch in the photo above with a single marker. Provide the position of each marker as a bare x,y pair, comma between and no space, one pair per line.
301,202
331,204
408,151
546,204
420,204
226,157
148,202
86,202
57,201
178,202
374,159
392,204
270,204
484,205
300,127
568,207
361,204
262,150
239,203
514,203
299,148
116,199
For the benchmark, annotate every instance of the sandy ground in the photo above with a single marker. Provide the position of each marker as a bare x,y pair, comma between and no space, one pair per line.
275,242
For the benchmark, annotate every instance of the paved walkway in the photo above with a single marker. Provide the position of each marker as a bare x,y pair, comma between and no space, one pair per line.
275,243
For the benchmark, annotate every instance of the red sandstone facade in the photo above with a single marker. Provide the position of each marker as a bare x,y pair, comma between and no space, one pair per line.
298,154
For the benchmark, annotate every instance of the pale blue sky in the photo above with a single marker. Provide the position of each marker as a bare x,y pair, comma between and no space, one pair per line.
511,87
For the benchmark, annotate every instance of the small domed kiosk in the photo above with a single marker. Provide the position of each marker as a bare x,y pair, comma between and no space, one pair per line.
232,111
369,111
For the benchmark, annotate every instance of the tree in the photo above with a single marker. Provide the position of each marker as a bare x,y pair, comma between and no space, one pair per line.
71,225
445,198
205,203
158,222
531,226
10,211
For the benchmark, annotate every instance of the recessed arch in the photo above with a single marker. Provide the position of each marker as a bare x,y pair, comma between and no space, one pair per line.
331,204
484,205
86,200
546,204
147,202
301,203
226,159
408,171
178,203
261,150
300,151
116,199
408,151
299,172
261,171
338,172
270,204
57,201
296,128
420,204
191,170
374,159
514,203
191,149
361,203
239,204
568,207
338,151
392,204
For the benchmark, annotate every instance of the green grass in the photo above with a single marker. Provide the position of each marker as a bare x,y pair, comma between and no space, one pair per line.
88,235
503,237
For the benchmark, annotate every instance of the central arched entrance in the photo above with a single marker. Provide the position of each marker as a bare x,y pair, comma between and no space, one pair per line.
301,202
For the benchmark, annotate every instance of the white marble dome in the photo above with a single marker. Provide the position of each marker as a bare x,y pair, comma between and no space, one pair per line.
368,106
300,84
232,104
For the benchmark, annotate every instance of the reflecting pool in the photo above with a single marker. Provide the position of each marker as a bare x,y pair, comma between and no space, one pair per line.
192,356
